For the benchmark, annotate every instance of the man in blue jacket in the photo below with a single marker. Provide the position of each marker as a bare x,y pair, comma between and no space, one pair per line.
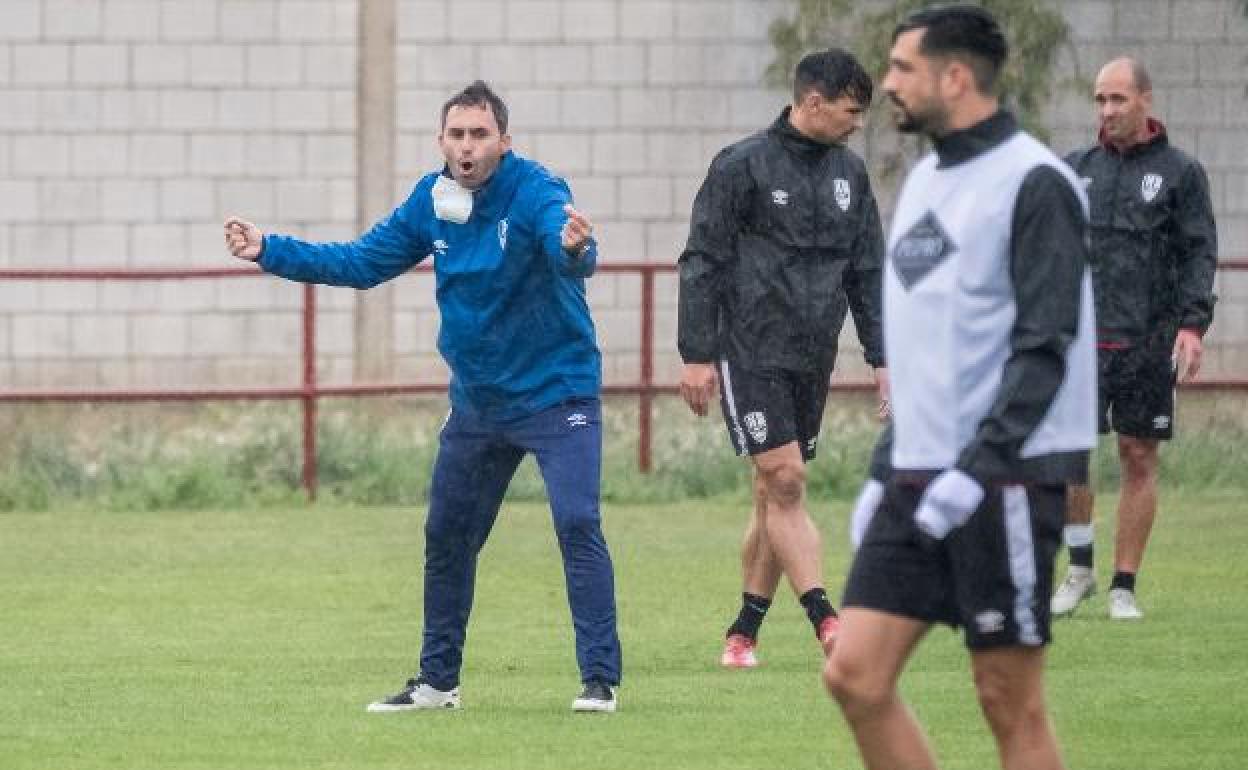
511,256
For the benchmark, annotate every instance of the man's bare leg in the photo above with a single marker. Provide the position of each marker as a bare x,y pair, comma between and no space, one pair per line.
1010,684
760,569
789,530
861,674
1080,580
1137,507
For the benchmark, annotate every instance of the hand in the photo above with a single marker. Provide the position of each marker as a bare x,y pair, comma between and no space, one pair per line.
1187,353
576,231
947,503
243,239
885,409
865,506
698,384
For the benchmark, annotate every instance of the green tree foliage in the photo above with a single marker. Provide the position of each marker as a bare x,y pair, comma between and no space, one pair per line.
1035,29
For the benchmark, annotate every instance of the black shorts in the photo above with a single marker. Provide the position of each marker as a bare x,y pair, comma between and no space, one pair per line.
1136,387
991,577
768,408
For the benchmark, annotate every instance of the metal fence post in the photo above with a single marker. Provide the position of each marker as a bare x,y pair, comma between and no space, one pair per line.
309,391
647,369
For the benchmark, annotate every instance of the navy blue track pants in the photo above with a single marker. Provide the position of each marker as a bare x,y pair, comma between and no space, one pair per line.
475,463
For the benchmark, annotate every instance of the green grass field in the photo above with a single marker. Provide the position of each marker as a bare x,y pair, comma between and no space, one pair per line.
254,639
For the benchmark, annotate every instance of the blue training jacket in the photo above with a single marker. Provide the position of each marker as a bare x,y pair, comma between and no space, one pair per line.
516,329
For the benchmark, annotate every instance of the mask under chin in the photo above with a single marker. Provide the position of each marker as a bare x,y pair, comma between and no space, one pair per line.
452,202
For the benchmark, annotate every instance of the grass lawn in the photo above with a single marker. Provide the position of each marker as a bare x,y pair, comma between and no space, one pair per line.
254,639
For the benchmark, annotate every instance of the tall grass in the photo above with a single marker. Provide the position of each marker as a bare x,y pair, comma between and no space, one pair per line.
380,452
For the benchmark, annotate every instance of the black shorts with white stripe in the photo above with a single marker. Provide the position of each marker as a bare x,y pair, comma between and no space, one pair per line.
765,409
992,577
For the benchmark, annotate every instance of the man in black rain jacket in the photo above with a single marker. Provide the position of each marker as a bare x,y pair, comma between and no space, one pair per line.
784,240
1153,255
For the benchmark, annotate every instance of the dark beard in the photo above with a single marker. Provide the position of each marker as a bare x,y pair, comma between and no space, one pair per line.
905,120
907,123
932,124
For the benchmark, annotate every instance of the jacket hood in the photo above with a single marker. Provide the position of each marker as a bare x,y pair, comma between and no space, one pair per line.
1156,136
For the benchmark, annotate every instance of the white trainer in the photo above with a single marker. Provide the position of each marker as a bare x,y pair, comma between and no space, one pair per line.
1122,605
1080,583
418,695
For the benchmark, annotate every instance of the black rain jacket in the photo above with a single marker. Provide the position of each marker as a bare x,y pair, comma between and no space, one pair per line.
785,236
1154,244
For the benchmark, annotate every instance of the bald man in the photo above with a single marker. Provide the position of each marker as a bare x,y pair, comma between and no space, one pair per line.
1153,255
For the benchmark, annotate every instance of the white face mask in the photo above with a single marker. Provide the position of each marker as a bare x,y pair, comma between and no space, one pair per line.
451,202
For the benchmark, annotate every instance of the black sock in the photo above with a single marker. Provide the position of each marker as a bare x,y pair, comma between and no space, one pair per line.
1081,556
1123,580
753,610
815,602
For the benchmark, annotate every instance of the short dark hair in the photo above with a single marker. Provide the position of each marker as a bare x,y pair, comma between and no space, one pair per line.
1139,73
478,94
833,73
966,32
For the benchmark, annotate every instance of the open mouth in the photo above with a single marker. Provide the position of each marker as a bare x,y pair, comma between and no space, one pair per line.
466,167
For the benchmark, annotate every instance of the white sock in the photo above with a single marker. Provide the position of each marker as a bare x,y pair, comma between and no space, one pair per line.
1077,535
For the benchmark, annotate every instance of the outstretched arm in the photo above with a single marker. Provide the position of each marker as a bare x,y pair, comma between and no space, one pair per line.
391,247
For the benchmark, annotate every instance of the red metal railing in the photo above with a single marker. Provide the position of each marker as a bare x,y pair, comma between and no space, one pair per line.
309,391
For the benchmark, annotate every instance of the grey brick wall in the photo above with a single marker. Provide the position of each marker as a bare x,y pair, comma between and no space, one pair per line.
129,128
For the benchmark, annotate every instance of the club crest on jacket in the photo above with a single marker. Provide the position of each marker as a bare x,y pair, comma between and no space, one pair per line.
840,188
1150,186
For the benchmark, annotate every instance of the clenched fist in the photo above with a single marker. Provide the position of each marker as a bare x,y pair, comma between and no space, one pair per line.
576,231
243,239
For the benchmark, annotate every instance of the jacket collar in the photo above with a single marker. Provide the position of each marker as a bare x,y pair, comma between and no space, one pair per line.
1156,138
492,199
795,141
960,146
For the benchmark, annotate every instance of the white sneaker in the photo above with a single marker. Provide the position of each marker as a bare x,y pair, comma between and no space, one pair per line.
418,695
596,697
1080,583
1122,605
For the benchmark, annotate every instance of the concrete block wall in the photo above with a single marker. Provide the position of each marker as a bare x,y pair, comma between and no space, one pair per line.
129,128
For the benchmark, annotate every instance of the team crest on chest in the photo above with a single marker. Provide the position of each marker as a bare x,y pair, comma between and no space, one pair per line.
502,234
756,424
780,197
840,189
1150,186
